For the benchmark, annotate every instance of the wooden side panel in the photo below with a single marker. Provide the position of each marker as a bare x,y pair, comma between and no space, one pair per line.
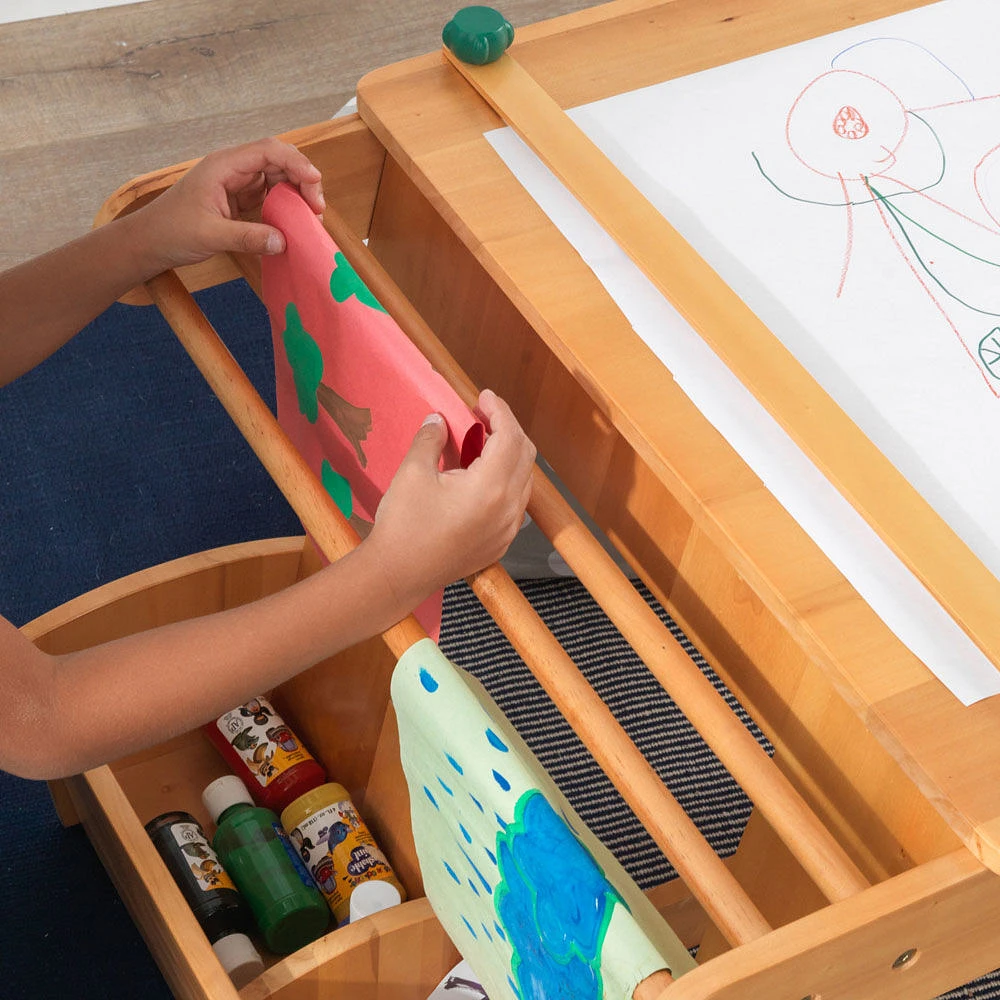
852,950
398,954
183,588
155,903
337,708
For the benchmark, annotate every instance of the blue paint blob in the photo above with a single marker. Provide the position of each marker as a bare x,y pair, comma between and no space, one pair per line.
445,787
495,741
477,803
451,872
499,930
489,936
465,833
454,763
471,931
501,781
512,986
490,855
472,886
427,792
555,903
501,821
428,681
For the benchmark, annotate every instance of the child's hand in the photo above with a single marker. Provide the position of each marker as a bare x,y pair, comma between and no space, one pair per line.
435,527
200,215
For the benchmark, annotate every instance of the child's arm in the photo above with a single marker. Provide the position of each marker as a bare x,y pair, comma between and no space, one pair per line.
45,301
62,714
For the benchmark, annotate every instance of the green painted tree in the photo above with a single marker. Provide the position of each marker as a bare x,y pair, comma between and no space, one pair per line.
338,488
345,282
306,359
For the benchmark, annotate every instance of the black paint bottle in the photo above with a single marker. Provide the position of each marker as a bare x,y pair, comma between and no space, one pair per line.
209,891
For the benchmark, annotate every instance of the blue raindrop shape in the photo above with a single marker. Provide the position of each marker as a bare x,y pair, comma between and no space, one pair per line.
496,741
428,681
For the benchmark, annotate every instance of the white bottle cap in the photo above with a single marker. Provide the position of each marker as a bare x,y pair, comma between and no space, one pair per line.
239,958
223,793
370,897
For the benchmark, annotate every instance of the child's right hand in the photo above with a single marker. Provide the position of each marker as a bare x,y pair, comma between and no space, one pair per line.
435,527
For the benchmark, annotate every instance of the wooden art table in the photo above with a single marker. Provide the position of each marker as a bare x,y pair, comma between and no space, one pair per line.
893,765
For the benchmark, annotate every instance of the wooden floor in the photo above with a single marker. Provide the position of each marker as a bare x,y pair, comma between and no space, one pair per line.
90,100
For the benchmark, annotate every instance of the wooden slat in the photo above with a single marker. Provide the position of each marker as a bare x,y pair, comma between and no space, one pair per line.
880,493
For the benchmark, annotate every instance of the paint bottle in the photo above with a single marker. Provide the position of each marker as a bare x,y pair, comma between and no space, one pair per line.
336,846
256,852
261,749
209,891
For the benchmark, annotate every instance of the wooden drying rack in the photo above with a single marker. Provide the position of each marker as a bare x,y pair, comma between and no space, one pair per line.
806,909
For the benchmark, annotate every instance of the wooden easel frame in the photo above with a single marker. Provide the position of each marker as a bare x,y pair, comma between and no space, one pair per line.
939,912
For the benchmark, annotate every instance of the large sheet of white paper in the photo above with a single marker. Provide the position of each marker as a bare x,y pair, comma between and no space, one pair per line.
848,188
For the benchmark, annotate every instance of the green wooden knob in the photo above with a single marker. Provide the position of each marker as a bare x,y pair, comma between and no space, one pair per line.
478,35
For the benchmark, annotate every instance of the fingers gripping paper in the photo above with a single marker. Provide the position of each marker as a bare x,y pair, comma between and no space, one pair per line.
352,389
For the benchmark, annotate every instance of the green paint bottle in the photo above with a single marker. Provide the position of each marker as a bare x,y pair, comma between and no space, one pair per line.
253,847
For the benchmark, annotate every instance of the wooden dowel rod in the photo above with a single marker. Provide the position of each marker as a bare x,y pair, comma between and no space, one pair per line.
809,841
710,881
316,509
819,853
653,986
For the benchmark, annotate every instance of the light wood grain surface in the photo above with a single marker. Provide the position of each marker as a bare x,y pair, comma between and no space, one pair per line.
90,100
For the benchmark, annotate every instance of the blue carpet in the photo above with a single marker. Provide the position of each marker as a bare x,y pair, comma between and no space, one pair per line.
114,456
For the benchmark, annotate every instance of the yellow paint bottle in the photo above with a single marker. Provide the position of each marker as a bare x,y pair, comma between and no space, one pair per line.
336,846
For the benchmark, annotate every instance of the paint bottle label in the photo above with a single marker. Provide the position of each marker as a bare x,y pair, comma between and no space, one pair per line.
203,862
293,855
339,852
266,746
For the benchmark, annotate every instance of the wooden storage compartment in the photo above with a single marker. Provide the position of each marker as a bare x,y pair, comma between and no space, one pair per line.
400,953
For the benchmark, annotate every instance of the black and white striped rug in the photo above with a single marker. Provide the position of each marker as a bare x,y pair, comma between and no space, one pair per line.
691,771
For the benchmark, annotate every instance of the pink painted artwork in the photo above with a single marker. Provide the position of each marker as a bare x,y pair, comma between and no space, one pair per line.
352,389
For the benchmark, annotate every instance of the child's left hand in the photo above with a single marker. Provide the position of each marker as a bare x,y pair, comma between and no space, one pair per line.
200,215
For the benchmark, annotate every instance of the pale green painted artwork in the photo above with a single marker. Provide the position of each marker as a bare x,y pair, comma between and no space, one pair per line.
533,901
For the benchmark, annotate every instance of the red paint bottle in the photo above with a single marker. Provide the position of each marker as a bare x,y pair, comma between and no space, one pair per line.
262,750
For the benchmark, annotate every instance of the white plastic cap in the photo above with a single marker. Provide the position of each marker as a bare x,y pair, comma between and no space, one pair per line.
239,958
223,793
370,897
